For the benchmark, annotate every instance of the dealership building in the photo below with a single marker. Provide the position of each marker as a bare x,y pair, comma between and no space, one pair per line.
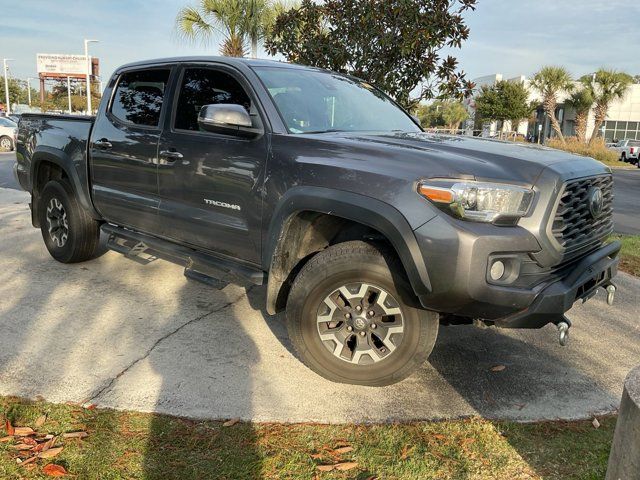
623,117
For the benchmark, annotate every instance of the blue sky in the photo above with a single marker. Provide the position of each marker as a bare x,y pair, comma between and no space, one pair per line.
507,36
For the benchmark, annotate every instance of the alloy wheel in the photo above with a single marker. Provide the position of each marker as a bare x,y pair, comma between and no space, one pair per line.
360,323
57,223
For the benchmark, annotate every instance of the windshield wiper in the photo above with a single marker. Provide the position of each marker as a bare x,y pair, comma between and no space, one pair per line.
329,130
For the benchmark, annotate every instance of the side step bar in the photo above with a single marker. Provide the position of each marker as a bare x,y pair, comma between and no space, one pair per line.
210,269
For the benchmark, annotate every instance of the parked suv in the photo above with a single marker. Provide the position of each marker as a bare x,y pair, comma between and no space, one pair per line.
369,232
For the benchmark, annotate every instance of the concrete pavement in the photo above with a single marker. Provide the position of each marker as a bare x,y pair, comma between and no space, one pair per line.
128,336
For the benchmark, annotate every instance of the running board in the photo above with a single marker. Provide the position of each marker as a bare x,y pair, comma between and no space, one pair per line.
212,270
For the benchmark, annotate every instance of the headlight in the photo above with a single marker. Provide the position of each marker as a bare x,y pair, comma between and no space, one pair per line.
480,202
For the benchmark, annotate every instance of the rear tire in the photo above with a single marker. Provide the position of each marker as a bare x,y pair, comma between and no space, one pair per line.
69,233
623,157
351,317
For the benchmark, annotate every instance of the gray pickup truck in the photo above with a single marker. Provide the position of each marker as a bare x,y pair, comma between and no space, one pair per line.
369,232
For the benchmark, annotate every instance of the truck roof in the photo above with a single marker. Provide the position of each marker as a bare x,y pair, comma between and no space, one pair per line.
233,61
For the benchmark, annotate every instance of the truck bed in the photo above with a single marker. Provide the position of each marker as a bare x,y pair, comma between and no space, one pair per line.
39,134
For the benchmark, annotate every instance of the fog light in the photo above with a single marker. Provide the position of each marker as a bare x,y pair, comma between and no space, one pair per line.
497,270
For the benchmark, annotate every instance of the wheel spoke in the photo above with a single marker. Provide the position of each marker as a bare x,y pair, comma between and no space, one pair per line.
360,335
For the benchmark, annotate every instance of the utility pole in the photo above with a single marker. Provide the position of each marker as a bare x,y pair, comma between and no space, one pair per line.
69,93
6,82
29,88
88,58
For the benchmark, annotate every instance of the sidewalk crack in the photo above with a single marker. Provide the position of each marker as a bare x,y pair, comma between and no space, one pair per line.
109,385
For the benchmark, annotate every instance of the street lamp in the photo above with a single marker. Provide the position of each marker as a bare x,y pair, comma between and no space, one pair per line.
6,82
86,54
29,88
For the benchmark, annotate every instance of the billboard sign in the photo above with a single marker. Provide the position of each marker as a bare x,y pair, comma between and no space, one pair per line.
61,64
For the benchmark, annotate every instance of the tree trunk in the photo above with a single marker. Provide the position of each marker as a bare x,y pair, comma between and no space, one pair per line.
581,126
549,106
601,114
254,47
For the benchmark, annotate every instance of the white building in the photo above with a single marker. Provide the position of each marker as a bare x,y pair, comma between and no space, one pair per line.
623,118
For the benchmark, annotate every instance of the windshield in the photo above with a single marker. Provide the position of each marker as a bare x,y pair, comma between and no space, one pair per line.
315,101
5,122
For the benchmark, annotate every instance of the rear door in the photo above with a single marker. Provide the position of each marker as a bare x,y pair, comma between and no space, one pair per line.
124,149
210,183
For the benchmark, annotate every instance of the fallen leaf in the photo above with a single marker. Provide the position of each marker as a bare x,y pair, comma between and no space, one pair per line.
50,453
5,439
498,368
40,420
439,436
29,441
231,423
23,431
466,441
89,406
75,435
28,460
325,468
22,446
342,450
315,456
8,427
595,423
406,452
53,470
346,465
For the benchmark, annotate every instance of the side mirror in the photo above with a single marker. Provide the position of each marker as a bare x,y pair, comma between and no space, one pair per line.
416,120
227,119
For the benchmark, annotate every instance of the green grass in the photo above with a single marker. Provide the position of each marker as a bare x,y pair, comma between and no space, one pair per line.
630,253
136,445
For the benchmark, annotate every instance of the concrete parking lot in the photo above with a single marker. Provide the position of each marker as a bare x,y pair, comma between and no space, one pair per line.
122,335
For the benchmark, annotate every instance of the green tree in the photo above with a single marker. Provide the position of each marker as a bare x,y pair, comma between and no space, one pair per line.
582,102
636,79
18,92
605,86
550,82
442,113
394,44
453,114
238,22
504,101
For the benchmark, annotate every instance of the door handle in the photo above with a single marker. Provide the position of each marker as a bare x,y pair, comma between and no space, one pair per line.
102,144
171,155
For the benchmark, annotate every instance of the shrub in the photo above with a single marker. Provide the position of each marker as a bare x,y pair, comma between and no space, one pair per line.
595,150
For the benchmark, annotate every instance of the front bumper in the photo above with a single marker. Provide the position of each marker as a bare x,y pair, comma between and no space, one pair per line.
592,272
456,255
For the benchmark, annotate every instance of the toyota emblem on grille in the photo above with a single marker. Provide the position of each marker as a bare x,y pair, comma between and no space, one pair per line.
596,201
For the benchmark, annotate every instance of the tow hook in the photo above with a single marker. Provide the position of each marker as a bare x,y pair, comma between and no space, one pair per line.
563,331
611,293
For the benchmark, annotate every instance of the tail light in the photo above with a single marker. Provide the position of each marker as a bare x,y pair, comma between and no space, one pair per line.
632,150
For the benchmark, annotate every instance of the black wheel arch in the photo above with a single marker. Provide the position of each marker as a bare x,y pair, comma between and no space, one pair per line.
45,157
339,205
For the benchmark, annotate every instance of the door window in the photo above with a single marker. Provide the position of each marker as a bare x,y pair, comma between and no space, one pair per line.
204,86
139,96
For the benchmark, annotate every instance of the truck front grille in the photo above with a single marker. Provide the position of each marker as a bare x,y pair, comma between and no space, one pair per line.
574,226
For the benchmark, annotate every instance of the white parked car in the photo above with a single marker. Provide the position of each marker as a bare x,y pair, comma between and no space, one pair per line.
8,134
629,150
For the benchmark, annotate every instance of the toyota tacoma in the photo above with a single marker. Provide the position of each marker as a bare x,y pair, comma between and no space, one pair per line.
369,232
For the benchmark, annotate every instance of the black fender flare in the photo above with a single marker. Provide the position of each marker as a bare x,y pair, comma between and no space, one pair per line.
368,211
61,159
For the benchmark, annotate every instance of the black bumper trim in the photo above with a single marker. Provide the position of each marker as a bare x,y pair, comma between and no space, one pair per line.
593,271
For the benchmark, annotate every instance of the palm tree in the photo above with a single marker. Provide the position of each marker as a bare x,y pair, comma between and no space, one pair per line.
581,101
606,86
238,21
550,82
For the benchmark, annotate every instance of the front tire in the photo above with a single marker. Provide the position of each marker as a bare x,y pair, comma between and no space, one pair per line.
69,233
351,316
6,144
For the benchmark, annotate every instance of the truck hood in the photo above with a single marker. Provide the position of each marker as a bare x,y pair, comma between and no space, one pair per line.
444,156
